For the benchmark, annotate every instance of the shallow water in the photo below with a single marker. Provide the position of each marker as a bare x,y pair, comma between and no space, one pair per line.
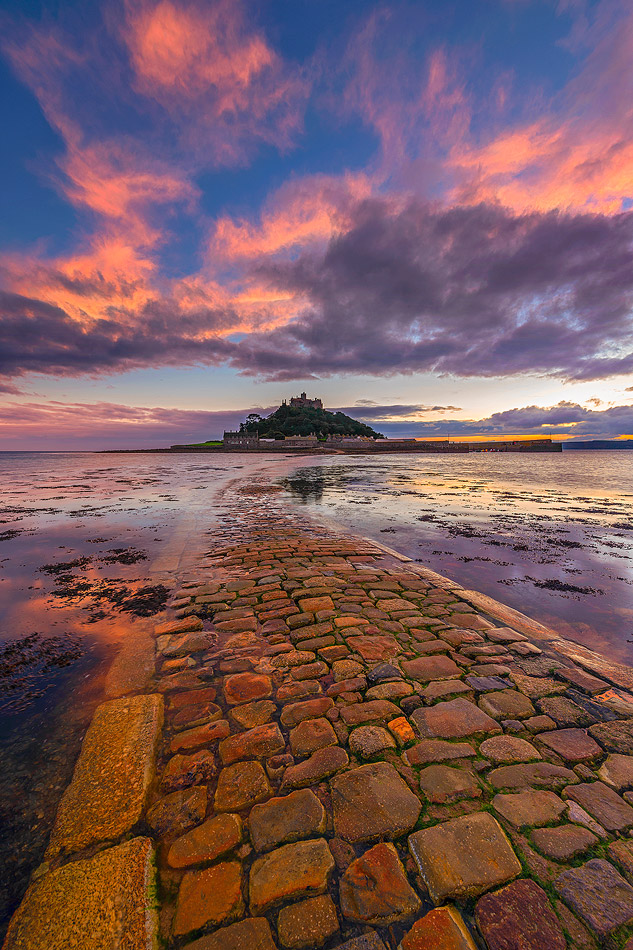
551,535
111,529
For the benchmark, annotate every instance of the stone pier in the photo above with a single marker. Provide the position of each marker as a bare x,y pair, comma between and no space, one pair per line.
341,749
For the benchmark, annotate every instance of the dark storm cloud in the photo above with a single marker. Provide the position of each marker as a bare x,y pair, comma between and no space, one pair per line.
471,291
408,287
39,337
369,410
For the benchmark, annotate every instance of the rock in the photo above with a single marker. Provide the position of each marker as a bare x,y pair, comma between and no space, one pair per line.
207,842
530,808
573,745
253,714
580,817
519,916
603,804
246,687
427,668
537,686
564,711
252,933
192,697
296,691
346,686
455,719
370,740
383,673
241,786
437,750
598,894
312,605
444,689
394,690
310,923
616,736
443,928
401,730
487,684
508,749
584,681
105,901
564,842
295,713
310,735
370,941
463,857
617,770
112,777
377,710
182,771
212,896
258,743
280,820
201,735
506,704
374,647
190,716
294,658
185,625
536,724
293,871
320,765
440,783
536,773
622,853
178,811
371,802
375,890
311,671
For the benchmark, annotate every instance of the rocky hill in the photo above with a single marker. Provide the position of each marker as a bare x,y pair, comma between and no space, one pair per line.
294,420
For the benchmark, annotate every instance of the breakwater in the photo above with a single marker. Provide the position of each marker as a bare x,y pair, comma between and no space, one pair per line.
325,744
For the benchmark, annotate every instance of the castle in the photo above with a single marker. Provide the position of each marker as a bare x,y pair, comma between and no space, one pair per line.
302,402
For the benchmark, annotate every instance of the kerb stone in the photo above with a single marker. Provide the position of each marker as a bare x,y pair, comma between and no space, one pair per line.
103,902
111,781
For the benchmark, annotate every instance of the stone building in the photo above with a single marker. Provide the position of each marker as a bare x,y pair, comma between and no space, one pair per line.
302,402
241,438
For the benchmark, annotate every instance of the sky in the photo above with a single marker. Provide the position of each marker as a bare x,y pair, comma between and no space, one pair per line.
421,212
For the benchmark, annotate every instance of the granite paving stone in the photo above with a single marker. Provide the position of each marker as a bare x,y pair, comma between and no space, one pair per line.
508,749
442,928
367,741
617,771
375,889
302,869
533,807
524,775
603,803
598,894
372,802
246,687
455,719
178,811
252,933
240,786
443,783
309,923
506,704
210,897
289,818
310,735
320,765
616,736
208,841
572,745
427,668
257,743
182,771
463,857
519,917
438,750
564,842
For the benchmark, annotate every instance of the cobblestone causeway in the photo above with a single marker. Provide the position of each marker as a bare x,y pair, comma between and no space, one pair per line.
350,755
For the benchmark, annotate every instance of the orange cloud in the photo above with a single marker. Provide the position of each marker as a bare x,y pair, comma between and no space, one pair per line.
311,209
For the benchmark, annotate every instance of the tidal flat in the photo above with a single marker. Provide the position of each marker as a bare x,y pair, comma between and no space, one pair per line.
90,547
